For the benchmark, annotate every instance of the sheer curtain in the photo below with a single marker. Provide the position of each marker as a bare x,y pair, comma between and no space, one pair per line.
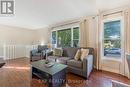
84,33
127,40
88,27
87,31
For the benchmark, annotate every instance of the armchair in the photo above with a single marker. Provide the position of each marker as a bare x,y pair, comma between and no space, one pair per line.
38,54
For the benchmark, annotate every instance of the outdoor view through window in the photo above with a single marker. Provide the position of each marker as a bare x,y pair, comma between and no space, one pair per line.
66,37
112,39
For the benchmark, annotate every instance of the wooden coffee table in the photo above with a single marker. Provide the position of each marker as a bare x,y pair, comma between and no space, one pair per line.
54,76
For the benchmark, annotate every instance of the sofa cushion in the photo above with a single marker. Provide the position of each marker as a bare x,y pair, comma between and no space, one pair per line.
70,52
84,53
91,50
37,54
52,58
35,58
75,63
78,55
63,60
57,52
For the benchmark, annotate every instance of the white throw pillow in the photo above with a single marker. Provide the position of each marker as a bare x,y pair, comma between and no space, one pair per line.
84,53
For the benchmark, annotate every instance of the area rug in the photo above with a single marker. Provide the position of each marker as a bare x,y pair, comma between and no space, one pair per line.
119,84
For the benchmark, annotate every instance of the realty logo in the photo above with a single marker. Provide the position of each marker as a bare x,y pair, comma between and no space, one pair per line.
7,7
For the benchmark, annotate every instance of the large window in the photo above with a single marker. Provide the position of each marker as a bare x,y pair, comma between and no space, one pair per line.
112,39
66,37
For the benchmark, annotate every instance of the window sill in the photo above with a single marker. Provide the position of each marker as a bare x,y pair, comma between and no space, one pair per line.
113,59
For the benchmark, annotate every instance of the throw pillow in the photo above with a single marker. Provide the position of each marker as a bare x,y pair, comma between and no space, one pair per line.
84,53
78,55
57,52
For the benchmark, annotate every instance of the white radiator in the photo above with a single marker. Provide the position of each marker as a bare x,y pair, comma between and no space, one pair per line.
16,51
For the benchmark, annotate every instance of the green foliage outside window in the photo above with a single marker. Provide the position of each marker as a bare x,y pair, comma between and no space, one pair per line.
76,37
64,38
76,33
112,34
54,37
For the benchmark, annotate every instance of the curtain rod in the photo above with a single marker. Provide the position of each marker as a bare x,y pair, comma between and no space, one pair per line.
112,13
66,24
77,21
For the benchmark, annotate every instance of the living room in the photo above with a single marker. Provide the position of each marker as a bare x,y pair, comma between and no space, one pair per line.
64,43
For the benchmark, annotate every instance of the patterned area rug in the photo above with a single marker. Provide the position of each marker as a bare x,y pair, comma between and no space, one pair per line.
119,84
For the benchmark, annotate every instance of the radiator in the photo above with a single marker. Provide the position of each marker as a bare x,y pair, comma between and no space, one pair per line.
17,51
9,51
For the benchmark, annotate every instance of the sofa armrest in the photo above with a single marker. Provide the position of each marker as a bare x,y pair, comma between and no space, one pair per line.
33,51
87,65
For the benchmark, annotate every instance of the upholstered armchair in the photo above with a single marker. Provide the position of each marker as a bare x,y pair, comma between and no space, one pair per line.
39,53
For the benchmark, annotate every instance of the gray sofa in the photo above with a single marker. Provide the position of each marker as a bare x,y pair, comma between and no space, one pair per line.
82,68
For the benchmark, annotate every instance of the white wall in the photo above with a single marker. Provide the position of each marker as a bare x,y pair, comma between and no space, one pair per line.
16,35
17,42
43,36
14,40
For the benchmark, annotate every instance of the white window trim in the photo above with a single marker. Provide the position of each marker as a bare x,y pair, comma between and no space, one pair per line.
122,38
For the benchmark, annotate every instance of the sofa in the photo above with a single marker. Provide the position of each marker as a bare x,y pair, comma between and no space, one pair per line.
39,53
82,68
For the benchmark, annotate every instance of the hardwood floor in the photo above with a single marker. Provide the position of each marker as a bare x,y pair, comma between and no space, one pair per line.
16,73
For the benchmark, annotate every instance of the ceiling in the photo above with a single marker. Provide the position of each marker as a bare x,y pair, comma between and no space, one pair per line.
35,14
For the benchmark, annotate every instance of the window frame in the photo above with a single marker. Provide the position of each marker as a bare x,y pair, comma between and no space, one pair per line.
52,38
73,36
120,18
69,29
64,28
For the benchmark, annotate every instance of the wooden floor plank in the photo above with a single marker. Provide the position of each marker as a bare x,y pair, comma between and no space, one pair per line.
16,73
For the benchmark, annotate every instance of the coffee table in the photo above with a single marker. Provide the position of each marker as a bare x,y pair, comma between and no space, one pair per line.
54,76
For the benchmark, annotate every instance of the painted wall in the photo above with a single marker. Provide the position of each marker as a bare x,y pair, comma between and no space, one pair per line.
17,42
14,40
16,35
43,36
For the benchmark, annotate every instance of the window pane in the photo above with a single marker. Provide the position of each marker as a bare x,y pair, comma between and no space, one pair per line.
112,29
54,37
64,38
112,48
112,41
76,33
75,43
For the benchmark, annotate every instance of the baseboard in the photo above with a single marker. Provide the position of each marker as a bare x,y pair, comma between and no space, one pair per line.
16,58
